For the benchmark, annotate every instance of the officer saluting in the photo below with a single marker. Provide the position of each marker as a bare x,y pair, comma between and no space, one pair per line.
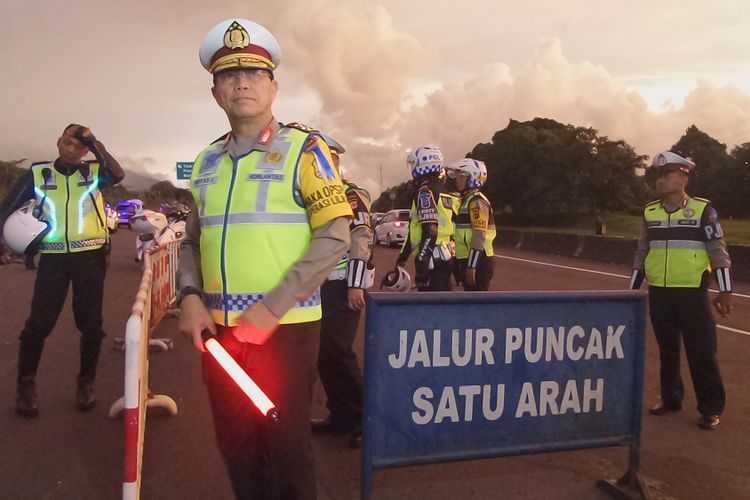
680,242
271,222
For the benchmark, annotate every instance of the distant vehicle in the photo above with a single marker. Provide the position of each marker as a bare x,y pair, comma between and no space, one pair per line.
392,228
375,218
127,209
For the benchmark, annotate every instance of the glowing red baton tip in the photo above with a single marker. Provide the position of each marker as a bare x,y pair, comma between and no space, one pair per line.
242,379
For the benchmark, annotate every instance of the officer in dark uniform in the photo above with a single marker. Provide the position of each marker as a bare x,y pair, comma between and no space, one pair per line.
680,242
74,250
343,298
431,223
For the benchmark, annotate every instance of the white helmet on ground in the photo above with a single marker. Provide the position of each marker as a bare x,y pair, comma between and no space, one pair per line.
397,280
475,170
23,232
424,161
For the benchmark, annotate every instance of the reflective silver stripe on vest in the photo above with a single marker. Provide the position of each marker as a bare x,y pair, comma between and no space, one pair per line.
254,218
51,246
677,244
673,223
241,301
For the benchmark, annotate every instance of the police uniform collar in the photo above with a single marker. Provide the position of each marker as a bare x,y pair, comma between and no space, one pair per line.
261,143
66,168
680,205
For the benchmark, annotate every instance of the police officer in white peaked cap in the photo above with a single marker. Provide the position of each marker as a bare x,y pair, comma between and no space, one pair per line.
272,224
681,242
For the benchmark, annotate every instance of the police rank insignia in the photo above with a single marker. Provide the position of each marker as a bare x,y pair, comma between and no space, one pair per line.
236,37
688,212
273,157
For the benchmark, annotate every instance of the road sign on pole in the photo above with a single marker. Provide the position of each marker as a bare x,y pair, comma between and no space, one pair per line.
184,170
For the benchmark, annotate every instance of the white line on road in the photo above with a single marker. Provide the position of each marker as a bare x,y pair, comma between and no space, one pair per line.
592,271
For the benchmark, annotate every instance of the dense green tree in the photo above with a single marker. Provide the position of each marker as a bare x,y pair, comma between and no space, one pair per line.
543,169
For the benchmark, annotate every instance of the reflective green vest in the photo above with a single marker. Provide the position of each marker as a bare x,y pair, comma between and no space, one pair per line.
447,206
677,255
254,226
73,206
464,231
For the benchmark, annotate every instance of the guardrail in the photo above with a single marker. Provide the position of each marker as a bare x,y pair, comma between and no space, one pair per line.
614,249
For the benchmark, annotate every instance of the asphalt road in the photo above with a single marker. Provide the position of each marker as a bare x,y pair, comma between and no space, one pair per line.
65,454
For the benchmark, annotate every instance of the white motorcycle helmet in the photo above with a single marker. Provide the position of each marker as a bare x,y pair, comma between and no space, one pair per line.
23,232
474,170
397,280
424,161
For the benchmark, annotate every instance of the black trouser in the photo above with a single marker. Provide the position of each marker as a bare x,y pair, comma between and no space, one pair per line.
337,363
685,313
440,277
267,460
484,274
86,270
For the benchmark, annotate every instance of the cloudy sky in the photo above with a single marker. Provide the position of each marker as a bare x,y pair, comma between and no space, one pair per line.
381,76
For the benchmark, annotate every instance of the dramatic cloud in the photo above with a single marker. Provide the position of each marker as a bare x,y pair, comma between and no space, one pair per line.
381,77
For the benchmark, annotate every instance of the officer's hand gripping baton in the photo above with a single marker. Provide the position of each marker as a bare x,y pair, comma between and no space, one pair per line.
238,375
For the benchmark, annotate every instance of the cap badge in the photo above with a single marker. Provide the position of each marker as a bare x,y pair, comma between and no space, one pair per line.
236,37
661,160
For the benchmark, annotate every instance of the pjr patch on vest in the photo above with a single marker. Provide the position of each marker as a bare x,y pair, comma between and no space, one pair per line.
425,199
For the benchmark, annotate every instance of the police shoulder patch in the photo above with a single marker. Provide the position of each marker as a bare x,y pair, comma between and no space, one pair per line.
300,126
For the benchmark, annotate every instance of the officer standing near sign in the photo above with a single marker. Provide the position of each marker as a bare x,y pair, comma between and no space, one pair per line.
680,242
475,226
271,221
74,250
430,223
343,296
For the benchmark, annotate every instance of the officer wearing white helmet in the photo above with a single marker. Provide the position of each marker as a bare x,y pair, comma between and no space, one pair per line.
343,297
73,239
431,222
680,243
475,225
272,220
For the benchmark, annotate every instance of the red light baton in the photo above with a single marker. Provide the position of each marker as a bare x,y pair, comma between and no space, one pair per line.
242,379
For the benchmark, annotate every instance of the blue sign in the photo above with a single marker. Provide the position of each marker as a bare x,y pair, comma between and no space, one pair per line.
476,375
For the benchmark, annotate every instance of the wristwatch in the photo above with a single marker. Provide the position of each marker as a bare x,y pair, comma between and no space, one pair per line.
188,290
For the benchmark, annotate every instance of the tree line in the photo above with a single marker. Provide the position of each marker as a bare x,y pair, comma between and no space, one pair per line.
541,170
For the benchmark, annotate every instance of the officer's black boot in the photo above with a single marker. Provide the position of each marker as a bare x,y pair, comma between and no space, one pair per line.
26,405
85,395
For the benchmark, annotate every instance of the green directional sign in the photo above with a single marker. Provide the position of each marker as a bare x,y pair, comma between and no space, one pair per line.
184,170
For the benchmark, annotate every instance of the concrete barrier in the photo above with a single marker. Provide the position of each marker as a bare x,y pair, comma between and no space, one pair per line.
614,249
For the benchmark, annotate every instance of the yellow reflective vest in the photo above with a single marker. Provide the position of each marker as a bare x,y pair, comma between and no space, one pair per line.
254,226
677,255
463,232
72,205
447,207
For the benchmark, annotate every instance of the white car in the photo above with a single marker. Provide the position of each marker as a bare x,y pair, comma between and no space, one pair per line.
392,228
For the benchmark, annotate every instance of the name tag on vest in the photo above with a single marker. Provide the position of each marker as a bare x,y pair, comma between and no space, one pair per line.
687,222
266,177
204,181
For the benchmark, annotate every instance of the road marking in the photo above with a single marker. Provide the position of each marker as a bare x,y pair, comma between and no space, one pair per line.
592,271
